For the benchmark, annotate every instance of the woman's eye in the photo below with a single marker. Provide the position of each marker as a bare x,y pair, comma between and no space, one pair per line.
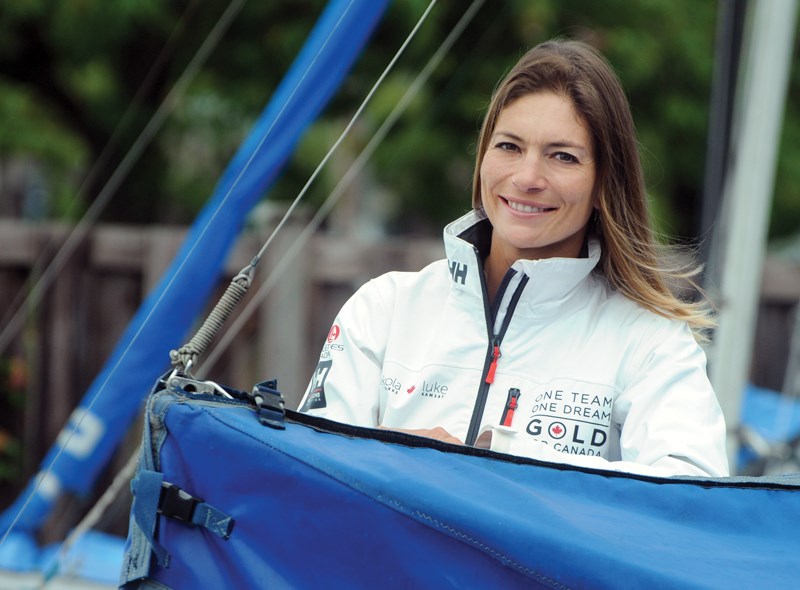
565,157
507,146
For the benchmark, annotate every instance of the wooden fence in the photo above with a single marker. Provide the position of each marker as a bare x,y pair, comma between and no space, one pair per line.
67,336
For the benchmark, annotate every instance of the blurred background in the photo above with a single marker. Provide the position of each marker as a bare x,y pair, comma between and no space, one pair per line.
107,115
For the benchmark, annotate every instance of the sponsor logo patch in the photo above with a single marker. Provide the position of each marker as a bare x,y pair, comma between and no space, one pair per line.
331,345
570,420
433,389
316,389
395,386
333,335
391,385
459,272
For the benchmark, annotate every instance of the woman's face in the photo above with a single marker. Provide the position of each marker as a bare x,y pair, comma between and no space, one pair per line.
537,179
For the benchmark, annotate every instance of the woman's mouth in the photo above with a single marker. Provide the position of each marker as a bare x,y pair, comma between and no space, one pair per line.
523,208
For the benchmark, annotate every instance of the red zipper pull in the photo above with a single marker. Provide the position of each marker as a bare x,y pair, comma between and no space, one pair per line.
493,365
511,405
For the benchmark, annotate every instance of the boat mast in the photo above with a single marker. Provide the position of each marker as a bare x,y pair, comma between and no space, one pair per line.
747,197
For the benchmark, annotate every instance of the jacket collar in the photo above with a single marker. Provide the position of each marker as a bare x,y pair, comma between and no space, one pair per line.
467,242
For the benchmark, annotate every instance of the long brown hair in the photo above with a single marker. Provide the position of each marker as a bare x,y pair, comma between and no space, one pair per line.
632,261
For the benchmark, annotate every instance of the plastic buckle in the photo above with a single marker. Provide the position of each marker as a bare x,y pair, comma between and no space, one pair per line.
174,502
270,404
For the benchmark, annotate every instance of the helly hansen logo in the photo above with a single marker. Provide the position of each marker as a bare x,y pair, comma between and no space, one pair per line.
459,272
316,389
318,379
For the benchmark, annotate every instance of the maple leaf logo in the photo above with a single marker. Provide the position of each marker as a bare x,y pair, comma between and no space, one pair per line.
557,430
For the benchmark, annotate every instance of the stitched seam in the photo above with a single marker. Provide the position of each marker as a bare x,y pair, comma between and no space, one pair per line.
483,547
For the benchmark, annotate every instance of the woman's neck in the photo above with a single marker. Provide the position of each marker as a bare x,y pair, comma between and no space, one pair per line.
495,268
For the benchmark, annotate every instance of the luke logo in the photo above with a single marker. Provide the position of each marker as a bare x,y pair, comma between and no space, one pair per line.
434,389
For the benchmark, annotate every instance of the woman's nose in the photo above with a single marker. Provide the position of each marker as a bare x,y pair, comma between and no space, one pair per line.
529,174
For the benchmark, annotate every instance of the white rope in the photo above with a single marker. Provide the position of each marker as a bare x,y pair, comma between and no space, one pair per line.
333,198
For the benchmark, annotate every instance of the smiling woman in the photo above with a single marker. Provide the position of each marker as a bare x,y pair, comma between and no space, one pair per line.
550,330
537,183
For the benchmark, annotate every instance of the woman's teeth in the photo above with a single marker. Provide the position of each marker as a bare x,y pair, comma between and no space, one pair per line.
527,208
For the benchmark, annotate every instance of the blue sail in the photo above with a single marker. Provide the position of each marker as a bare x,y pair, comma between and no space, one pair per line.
164,319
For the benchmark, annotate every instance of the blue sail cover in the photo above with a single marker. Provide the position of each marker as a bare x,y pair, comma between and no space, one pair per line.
774,417
323,505
164,319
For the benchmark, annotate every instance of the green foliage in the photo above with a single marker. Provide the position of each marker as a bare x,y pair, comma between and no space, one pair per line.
81,79
786,203
47,140
13,377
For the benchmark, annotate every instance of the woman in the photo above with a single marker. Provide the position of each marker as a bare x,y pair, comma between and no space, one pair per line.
550,330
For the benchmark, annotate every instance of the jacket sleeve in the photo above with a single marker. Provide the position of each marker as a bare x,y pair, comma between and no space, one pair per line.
671,422
672,417
345,385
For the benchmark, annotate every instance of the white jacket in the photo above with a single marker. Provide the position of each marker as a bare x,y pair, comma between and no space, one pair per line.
597,380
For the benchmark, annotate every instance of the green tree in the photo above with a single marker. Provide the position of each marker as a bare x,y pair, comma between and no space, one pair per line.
80,80
64,95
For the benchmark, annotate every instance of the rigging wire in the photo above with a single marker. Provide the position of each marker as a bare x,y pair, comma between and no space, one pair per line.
207,226
112,372
184,357
81,229
157,67
94,515
333,198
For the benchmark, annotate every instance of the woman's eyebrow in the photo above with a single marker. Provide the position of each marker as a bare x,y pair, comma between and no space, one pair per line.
509,135
568,145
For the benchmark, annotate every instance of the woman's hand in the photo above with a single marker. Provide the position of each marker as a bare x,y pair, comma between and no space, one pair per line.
484,440
437,433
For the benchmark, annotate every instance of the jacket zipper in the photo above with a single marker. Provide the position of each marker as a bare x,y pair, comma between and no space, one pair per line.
511,405
493,354
493,364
